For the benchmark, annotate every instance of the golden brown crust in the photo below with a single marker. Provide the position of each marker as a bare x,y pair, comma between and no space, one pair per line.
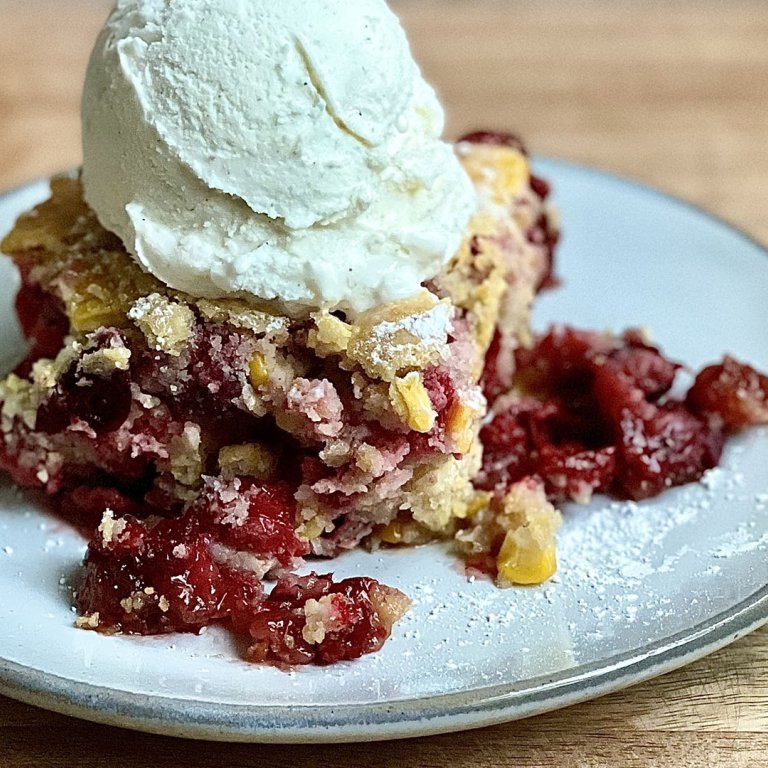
382,356
492,278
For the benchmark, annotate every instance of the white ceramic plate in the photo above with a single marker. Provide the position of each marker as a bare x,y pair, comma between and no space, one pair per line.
642,588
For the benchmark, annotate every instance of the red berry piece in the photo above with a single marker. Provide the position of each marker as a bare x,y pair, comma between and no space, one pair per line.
312,619
731,392
571,473
668,447
100,399
244,514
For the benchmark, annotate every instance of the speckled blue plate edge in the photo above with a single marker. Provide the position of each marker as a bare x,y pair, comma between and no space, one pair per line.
378,721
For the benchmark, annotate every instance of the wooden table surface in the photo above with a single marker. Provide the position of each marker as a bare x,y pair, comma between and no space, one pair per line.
677,97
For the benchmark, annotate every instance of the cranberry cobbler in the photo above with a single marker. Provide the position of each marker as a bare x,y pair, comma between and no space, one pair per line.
210,446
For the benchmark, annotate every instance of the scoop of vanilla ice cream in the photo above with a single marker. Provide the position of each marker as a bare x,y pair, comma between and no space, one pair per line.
286,151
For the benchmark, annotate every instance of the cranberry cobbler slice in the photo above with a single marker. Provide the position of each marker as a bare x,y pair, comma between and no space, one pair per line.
213,444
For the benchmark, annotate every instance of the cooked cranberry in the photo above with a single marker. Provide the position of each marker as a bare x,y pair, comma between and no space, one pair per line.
85,505
344,620
113,573
496,378
670,447
540,187
101,399
198,589
507,446
646,368
543,234
604,421
569,419
563,355
570,472
732,392
103,402
162,579
256,517
43,321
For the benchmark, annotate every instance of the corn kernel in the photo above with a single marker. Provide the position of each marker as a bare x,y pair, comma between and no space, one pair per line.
257,370
407,532
523,561
527,555
480,501
503,171
312,529
410,399
513,172
250,460
331,335
392,533
92,313
459,426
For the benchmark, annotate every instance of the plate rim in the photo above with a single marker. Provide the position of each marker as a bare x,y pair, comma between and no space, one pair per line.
410,716
405,718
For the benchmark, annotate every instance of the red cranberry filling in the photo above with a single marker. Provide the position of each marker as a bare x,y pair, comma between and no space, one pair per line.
251,516
493,381
149,579
596,415
101,400
602,420
497,138
162,579
312,619
43,321
732,393
84,505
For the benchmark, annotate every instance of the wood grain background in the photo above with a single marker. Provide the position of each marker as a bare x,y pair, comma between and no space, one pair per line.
672,94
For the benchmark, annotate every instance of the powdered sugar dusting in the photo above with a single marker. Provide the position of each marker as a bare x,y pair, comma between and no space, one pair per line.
429,331
746,538
431,327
